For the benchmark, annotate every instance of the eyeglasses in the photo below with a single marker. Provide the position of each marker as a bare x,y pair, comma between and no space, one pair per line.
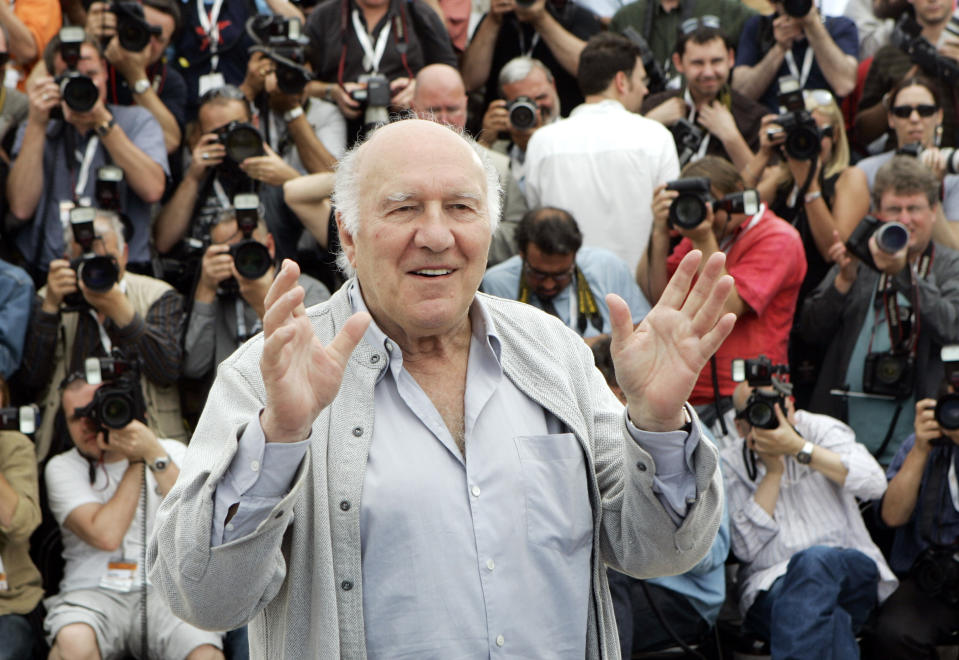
925,110
690,25
535,275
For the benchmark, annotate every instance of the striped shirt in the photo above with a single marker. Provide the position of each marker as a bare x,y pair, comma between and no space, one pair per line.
811,509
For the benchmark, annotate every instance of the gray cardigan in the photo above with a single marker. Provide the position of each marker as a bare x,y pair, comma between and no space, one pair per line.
313,534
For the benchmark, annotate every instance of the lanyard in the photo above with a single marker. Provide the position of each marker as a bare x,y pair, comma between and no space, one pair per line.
209,24
371,55
704,143
522,42
894,316
241,333
85,160
806,66
221,195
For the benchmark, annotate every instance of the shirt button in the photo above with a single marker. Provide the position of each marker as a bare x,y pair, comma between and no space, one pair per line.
255,466
489,564
229,526
347,585
374,358
475,490
358,431
641,466
344,505
389,346
500,640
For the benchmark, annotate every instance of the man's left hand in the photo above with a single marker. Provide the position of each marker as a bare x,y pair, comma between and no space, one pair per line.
658,363
531,14
401,92
131,65
890,264
780,441
270,169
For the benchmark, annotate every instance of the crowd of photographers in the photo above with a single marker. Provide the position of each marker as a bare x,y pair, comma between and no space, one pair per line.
159,158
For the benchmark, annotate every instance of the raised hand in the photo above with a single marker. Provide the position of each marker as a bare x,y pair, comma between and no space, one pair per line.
301,375
657,364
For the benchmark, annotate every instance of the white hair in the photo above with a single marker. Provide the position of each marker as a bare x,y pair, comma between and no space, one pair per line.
346,189
519,68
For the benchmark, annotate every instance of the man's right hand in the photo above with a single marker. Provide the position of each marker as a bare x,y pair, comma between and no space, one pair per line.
662,200
498,9
786,30
216,266
301,376
669,111
61,280
44,95
925,424
495,121
101,22
349,106
207,153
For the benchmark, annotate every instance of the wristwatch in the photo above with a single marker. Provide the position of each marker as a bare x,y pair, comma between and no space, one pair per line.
328,93
159,464
805,454
293,113
141,86
104,128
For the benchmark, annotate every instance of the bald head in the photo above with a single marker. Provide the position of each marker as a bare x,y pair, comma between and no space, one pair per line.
440,95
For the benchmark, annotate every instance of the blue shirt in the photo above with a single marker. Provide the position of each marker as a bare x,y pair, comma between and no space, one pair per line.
908,543
483,557
16,301
842,31
60,175
604,272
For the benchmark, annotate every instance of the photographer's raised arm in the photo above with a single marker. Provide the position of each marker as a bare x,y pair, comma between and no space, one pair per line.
104,525
902,493
25,181
564,45
837,67
144,175
753,81
173,221
478,57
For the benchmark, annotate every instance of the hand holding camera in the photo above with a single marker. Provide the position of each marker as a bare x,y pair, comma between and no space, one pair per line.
401,92
101,21
44,95
135,441
495,122
779,441
530,12
61,281
269,168
925,425
216,267
498,9
132,65
786,29
209,152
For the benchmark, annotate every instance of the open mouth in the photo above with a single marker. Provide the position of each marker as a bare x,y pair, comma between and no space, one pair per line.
433,272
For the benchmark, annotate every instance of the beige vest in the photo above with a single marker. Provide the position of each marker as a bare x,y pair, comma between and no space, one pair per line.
162,402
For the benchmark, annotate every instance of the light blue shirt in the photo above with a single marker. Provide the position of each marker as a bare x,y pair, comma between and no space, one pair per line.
16,303
485,557
604,272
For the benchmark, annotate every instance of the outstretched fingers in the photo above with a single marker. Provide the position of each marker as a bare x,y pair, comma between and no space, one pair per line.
620,319
348,338
678,286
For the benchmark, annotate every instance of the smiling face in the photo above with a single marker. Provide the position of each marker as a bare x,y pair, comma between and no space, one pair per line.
706,67
423,235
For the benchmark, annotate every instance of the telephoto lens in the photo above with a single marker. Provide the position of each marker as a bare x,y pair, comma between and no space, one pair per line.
522,112
947,411
892,237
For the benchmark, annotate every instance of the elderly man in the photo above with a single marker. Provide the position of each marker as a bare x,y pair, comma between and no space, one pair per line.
441,96
413,469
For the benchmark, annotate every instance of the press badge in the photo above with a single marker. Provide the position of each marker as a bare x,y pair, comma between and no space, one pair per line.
210,81
3,578
120,575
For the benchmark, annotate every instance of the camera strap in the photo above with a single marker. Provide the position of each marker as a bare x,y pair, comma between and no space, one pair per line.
582,311
241,332
522,40
932,493
704,143
73,156
801,76
211,27
895,319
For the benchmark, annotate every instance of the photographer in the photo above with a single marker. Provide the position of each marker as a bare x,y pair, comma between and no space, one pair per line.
819,52
920,504
763,254
359,45
144,77
730,120
809,574
552,32
892,64
225,313
885,365
55,161
96,492
20,609
137,313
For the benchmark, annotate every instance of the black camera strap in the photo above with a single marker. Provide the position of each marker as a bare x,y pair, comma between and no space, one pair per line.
932,493
586,307
898,322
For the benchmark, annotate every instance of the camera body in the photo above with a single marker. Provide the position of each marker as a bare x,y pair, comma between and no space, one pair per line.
947,407
689,209
78,91
250,257
907,36
688,138
889,373
97,272
802,132
797,8
24,419
760,410
119,401
936,571
133,31
523,113
282,40
891,237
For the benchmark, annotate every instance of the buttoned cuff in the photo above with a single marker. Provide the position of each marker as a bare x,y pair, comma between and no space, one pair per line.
672,453
263,469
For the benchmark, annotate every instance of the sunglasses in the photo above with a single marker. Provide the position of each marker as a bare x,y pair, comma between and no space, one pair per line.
925,110
690,25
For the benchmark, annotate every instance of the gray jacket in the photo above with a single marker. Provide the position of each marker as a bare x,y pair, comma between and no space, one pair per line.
313,534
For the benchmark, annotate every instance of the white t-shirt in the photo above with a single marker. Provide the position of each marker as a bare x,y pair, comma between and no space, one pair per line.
68,486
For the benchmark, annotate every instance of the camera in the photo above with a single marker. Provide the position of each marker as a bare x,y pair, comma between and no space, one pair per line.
947,407
936,571
119,401
98,273
23,419
688,138
522,112
78,91
891,237
250,257
907,36
133,31
797,8
108,191
802,133
889,373
375,98
241,140
282,40
654,70
760,410
690,208
273,29
913,150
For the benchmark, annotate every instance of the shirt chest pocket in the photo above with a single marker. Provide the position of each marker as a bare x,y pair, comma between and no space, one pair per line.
558,514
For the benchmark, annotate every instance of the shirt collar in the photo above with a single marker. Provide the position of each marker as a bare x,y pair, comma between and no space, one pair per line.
481,323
